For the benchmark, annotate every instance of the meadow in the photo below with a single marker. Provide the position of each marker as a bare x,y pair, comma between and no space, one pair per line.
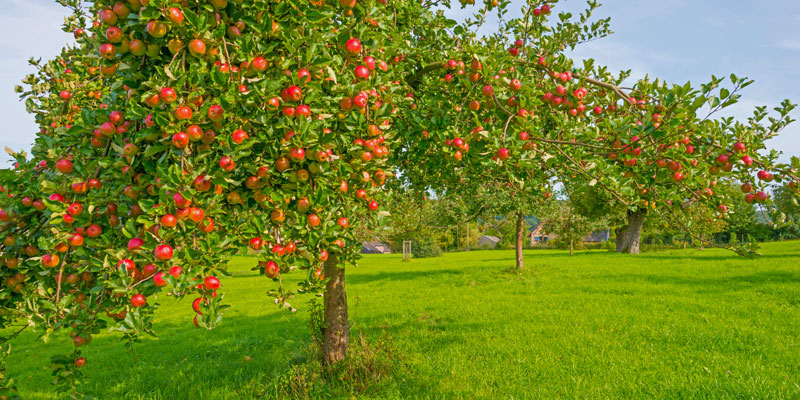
672,324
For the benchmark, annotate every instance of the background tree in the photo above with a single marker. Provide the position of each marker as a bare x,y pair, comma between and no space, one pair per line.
560,217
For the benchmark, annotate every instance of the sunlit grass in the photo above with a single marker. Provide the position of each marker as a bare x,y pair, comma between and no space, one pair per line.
677,324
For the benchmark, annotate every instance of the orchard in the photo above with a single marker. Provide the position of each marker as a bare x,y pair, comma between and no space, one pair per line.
175,134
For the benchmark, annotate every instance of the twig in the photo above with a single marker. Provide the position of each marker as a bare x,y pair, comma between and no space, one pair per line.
505,128
586,173
414,79
501,106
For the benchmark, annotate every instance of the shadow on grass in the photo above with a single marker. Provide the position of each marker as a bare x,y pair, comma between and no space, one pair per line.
245,358
708,257
708,284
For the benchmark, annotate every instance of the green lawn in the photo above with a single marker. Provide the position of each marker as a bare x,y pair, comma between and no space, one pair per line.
678,324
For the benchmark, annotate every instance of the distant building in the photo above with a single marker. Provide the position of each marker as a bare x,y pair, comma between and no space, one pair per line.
375,247
488,241
539,236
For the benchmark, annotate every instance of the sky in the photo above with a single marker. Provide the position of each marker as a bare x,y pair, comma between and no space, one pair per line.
675,40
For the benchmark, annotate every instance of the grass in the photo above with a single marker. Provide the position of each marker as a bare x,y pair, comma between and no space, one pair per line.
675,324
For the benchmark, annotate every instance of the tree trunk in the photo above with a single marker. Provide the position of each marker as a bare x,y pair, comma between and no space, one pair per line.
620,238
633,233
571,245
467,235
337,323
520,241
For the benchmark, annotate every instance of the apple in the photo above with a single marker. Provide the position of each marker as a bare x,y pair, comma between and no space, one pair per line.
138,300
168,95
64,166
303,111
183,113
180,140
180,201
369,62
502,153
76,240
226,163
135,243
211,283
271,269
196,215
50,260
75,209
163,252
197,47
361,72
196,304
79,341
216,113
176,271
277,216
108,51
238,136
175,15
292,93
149,270
353,46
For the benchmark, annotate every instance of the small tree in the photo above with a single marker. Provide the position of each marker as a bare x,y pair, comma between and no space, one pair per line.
561,218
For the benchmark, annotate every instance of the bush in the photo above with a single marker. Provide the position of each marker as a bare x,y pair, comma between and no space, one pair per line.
563,244
425,247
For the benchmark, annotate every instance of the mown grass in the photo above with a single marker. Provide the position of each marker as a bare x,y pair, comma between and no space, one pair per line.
676,324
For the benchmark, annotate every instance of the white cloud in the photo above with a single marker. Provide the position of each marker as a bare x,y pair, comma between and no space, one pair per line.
791,44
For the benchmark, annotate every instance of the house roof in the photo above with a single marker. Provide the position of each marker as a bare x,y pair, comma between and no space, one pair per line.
539,231
375,247
490,237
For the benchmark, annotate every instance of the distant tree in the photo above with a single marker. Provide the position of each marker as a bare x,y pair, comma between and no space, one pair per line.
562,218
788,209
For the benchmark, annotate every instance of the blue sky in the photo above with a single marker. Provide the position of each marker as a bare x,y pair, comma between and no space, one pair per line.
676,40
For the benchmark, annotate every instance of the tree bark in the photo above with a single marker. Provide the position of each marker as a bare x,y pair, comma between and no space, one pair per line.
337,323
520,240
620,233
633,233
571,245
